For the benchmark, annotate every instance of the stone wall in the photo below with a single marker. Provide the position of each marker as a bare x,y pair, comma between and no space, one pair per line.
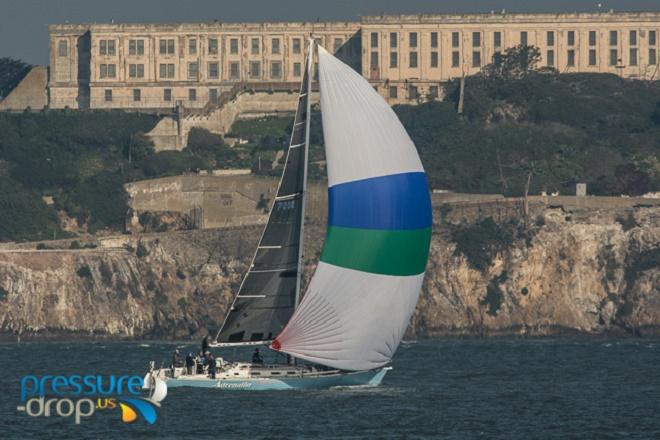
171,132
214,201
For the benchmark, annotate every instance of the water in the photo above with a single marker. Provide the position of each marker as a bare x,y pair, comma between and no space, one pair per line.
504,389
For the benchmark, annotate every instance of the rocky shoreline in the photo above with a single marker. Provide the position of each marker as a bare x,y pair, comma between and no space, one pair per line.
564,274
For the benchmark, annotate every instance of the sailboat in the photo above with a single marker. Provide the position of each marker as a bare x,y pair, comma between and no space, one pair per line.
346,328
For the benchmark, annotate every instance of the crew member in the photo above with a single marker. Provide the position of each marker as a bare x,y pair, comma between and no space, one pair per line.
256,357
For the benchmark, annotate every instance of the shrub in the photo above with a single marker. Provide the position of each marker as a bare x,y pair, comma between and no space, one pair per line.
481,241
142,250
84,272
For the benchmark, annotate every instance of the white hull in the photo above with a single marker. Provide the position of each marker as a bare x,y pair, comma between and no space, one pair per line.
248,377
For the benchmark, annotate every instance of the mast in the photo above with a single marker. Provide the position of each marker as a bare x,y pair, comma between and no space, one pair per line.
308,120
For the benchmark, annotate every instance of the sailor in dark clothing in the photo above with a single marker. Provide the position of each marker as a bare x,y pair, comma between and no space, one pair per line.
211,362
256,357
205,344
190,363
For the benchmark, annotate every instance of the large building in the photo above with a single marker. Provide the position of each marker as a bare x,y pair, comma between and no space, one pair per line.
406,57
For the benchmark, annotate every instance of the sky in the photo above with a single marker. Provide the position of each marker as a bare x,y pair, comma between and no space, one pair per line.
24,33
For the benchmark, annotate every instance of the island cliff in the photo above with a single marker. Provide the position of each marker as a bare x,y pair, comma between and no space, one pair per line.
563,273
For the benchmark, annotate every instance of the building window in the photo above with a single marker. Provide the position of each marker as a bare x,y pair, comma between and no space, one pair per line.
653,57
592,57
434,40
412,92
275,45
412,39
107,47
136,70
476,39
137,95
433,92
296,70
374,39
255,46
614,57
193,71
476,59
214,70
136,47
213,46
213,95
166,70
233,46
192,94
234,70
653,37
394,59
62,48
394,40
276,69
167,95
374,60
523,38
633,56
337,44
108,71
192,46
297,48
455,59
570,61
413,59
108,95
166,47
550,38
614,38
570,37
497,39
455,39
393,92
633,38
434,59
550,58
255,69
592,38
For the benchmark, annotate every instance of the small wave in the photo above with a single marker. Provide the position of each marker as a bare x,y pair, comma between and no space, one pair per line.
144,345
367,389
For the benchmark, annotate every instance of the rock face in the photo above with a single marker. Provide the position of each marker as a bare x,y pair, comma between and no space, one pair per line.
594,273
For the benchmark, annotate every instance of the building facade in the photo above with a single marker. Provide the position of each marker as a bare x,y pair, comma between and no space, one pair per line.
406,57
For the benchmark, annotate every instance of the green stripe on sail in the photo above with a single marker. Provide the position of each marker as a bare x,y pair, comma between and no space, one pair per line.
387,252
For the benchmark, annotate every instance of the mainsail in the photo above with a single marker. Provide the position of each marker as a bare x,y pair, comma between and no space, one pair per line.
270,289
367,283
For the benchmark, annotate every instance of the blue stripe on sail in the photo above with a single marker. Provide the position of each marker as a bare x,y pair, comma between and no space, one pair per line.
397,201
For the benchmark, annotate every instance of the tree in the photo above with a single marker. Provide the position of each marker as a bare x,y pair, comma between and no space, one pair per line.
11,73
515,63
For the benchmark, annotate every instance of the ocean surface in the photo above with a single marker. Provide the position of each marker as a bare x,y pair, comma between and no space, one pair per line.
449,389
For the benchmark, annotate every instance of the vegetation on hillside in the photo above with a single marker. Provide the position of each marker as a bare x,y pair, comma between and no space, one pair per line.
523,128
558,128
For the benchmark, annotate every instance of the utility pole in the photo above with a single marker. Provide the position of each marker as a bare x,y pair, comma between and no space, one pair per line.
461,97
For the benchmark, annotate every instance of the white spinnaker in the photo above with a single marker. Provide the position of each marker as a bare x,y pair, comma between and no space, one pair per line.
350,319
363,136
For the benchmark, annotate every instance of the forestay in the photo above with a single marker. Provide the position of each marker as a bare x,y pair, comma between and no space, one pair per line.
269,292
367,283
